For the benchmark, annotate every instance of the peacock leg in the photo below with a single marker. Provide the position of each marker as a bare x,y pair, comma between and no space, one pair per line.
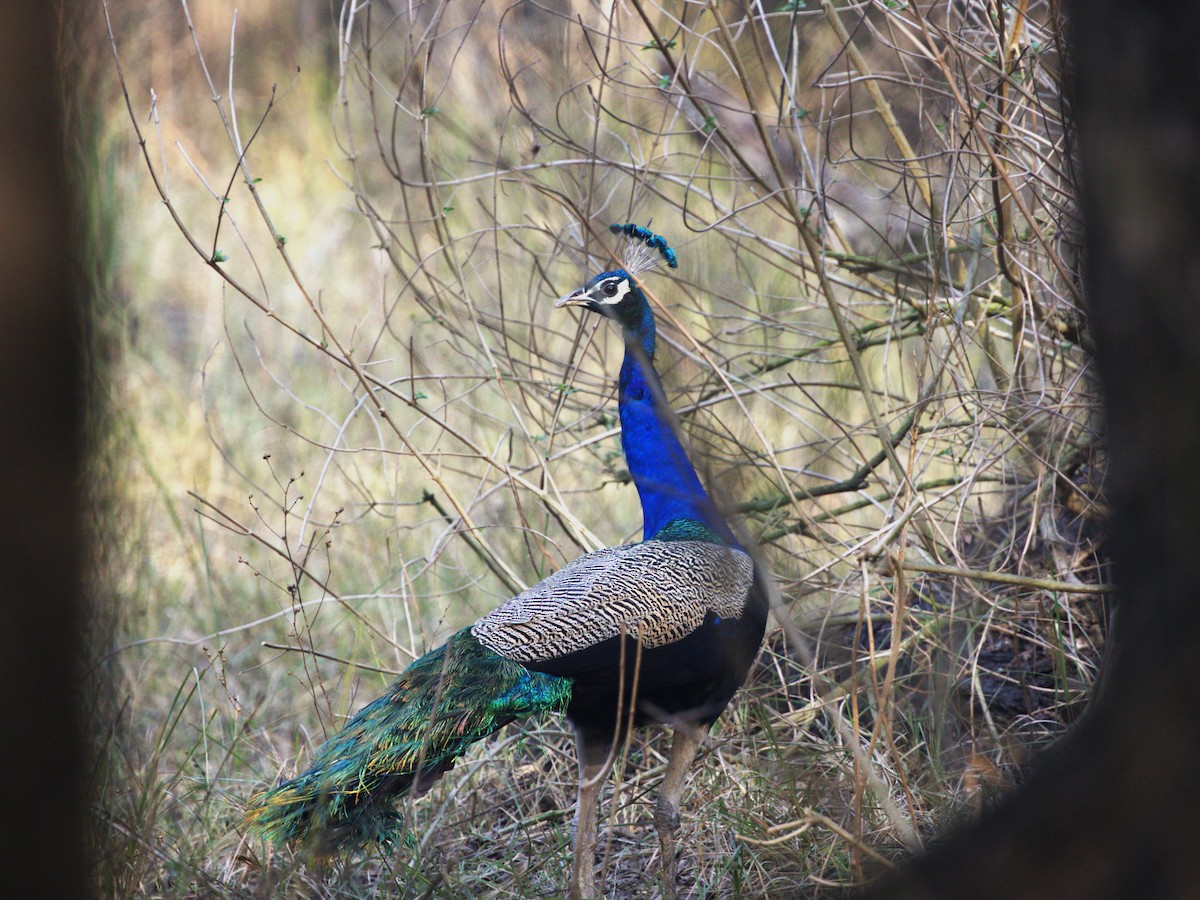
593,760
666,812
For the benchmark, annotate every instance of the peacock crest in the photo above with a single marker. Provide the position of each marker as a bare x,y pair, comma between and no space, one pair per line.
644,249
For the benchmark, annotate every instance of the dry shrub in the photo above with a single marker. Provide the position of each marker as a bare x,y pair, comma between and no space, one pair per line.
874,341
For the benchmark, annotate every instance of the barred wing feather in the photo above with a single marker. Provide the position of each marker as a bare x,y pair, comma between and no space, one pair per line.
658,590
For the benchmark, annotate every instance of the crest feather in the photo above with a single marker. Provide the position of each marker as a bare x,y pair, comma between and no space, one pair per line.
644,248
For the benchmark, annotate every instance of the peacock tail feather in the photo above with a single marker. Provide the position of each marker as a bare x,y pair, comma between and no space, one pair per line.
441,704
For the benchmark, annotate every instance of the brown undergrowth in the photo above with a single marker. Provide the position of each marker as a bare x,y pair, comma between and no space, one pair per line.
346,418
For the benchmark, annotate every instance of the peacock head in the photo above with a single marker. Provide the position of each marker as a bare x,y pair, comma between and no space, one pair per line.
614,294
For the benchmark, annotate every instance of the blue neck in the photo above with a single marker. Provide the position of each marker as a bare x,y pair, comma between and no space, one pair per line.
667,484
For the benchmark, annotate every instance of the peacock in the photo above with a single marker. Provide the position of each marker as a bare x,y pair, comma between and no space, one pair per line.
661,631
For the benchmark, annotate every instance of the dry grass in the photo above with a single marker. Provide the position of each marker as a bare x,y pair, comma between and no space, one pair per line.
351,440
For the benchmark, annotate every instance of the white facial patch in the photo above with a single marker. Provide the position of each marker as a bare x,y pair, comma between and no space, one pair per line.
610,291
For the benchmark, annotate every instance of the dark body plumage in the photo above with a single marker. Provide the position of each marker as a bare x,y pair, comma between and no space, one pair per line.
690,660
661,631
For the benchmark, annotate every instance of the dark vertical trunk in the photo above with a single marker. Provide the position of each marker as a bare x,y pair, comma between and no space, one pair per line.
1112,811
41,832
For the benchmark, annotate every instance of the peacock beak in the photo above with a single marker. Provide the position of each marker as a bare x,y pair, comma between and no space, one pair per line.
576,298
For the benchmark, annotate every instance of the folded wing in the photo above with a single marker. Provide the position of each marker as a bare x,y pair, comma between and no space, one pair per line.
658,591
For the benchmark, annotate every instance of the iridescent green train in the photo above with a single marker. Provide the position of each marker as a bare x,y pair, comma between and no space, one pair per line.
441,704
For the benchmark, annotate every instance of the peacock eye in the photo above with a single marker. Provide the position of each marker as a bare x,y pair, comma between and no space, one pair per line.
610,288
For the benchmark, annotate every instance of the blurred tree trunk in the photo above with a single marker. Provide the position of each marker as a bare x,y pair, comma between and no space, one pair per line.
1112,811
41,830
